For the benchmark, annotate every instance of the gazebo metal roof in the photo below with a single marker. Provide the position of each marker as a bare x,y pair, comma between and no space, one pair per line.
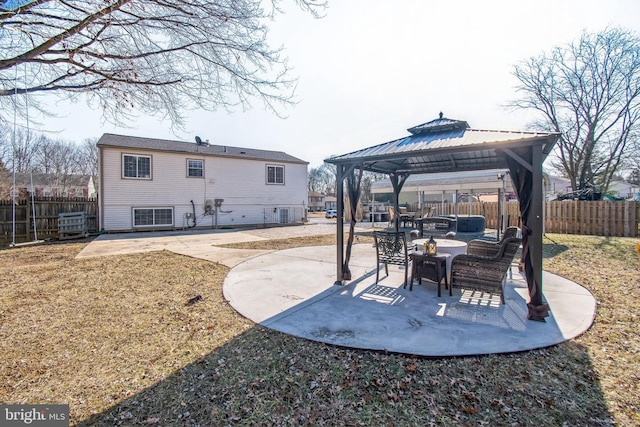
447,145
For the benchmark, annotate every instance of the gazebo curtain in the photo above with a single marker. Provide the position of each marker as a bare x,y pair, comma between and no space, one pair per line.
523,181
353,191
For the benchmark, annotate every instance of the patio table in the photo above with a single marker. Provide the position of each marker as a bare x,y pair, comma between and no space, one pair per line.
432,267
446,246
407,217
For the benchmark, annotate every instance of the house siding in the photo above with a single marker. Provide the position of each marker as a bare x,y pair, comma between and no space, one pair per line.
240,182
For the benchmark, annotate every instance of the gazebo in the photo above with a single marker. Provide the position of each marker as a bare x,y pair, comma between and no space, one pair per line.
446,145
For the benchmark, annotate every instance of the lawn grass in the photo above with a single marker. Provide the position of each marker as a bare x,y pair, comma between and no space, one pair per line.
118,340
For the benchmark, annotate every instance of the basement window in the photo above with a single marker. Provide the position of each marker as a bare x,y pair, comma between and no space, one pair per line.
149,217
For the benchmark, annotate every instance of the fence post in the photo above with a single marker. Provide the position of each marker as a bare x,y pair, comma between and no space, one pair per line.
28,216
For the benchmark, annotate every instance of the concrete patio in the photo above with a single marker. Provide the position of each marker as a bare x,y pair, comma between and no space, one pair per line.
293,291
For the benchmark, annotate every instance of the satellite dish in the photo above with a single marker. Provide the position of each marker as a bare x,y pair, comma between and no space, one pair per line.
198,140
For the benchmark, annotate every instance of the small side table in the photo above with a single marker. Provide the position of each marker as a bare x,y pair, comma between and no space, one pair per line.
432,267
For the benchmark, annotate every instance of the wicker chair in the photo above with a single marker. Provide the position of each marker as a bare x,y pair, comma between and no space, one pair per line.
391,248
512,232
485,267
488,248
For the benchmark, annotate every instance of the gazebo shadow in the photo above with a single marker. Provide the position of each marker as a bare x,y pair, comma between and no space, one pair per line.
213,389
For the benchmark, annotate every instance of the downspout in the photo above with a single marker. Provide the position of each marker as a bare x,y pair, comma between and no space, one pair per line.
193,206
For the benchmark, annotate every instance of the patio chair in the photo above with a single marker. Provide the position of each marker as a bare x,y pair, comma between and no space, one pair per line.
484,271
512,232
391,248
392,216
488,248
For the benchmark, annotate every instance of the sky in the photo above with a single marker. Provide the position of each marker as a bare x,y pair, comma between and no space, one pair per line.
370,69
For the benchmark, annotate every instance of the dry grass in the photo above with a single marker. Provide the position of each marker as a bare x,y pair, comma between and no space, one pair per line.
115,338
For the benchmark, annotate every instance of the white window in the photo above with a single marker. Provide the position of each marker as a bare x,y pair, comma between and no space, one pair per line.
136,166
195,168
149,217
275,174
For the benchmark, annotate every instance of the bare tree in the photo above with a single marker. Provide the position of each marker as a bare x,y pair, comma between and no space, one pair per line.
45,156
330,174
87,158
5,145
369,178
589,92
154,56
21,150
34,152
63,158
317,180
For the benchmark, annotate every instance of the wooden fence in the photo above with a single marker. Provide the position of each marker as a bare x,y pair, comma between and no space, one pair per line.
46,217
601,218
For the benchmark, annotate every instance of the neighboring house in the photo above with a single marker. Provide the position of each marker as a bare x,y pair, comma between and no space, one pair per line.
555,185
444,186
316,201
148,184
330,202
624,190
48,185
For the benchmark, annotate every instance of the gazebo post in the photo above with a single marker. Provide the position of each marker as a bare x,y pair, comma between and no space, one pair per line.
536,223
396,205
340,172
499,223
397,181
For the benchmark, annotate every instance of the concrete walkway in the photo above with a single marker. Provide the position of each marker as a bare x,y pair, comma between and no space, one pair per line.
292,291
199,243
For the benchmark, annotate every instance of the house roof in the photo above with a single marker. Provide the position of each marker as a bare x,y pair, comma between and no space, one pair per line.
134,142
445,145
